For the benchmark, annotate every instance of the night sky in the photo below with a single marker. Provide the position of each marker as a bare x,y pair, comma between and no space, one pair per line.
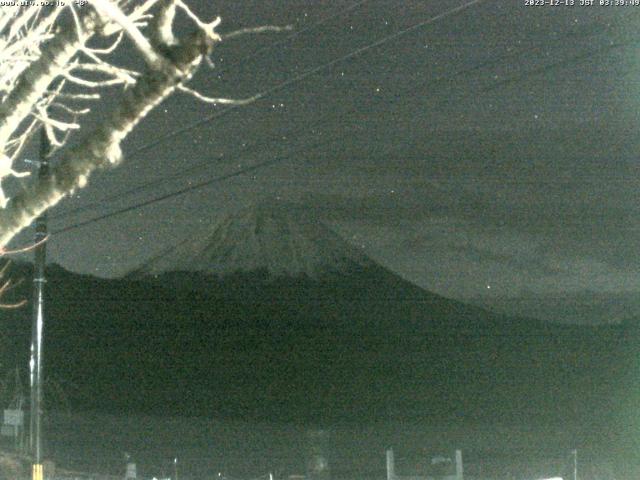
492,152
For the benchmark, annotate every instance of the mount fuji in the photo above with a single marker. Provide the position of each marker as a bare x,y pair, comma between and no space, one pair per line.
268,250
273,315
275,237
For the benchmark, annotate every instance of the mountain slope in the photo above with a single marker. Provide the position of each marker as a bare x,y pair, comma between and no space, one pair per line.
356,347
274,252
312,336
578,308
276,237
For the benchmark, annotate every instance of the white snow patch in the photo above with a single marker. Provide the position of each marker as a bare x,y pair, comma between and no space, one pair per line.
280,238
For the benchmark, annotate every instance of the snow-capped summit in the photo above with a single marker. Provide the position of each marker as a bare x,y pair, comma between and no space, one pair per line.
279,238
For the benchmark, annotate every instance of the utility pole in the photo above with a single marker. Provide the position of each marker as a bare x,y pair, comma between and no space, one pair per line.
575,464
37,323
391,465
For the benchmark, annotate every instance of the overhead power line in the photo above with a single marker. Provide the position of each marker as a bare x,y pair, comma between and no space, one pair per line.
177,193
273,89
573,60
296,34
203,164
251,147
327,118
309,73
204,183
280,159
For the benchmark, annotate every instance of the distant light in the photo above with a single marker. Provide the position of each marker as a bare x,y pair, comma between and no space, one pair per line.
488,287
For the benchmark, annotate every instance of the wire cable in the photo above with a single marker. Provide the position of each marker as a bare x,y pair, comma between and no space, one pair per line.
251,147
295,34
177,193
248,170
277,160
309,73
282,85
203,184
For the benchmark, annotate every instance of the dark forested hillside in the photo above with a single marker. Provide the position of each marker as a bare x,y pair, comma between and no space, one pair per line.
354,346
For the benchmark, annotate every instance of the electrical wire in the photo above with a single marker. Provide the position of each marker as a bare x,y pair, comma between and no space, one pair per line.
199,185
282,85
294,35
308,73
576,59
463,72
177,193
277,160
243,60
251,146
262,165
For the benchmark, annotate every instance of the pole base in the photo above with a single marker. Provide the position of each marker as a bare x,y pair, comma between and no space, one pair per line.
36,472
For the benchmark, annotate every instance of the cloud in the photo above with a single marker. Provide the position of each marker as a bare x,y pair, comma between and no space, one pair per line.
459,257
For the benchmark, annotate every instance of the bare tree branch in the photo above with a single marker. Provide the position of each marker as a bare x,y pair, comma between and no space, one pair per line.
47,68
36,79
112,12
101,147
217,100
251,31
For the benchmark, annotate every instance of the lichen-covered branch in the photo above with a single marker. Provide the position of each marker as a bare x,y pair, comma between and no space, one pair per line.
102,147
41,56
34,81
112,12
40,48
